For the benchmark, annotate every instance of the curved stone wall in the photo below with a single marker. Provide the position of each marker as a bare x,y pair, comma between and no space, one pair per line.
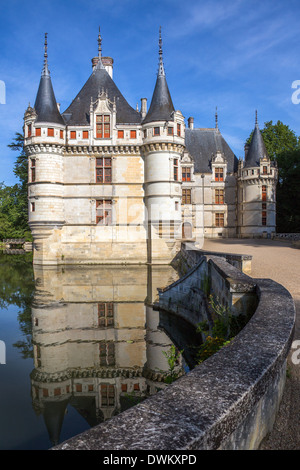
229,401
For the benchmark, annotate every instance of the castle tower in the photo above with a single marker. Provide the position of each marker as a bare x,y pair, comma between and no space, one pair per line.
163,144
257,178
44,133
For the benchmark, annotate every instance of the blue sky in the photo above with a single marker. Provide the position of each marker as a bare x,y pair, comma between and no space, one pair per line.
240,56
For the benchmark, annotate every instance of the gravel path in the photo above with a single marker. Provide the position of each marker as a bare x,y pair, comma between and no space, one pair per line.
280,261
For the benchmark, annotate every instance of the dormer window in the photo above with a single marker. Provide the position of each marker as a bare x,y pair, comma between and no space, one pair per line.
219,174
186,173
103,126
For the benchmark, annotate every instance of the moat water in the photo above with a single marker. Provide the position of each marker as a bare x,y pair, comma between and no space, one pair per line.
82,344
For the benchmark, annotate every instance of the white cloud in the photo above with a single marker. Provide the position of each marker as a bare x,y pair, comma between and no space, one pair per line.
204,15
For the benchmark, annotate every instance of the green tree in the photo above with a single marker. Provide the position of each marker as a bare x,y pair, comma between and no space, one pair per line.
13,212
283,146
288,192
20,167
13,199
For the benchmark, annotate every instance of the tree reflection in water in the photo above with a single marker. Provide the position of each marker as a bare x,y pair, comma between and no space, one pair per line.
17,288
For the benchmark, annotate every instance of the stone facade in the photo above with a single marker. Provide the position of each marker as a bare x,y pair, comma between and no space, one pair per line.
111,184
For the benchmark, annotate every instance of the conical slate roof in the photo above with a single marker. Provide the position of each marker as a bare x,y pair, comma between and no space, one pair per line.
257,149
161,107
54,413
45,103
78,113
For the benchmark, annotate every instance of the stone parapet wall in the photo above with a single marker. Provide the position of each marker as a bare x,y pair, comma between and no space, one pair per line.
191,255
231,287
185,297
230,400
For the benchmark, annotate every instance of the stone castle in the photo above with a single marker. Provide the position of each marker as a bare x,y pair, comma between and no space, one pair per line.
112,184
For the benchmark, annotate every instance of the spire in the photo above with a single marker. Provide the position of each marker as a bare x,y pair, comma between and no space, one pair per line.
257,148
99,64
161,70
161,107
45,68
45,103
99,44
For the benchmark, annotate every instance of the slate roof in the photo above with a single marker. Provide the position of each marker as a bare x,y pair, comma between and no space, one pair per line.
161,107
54,413
45,103
202,144
257,149
78,113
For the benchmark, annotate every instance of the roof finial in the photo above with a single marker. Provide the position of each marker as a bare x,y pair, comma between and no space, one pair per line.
216,118
161,70
99,62
99,44
45,68
256,121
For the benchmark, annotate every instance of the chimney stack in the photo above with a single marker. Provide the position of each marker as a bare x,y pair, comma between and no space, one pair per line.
143,107
95,61
107,63
191,122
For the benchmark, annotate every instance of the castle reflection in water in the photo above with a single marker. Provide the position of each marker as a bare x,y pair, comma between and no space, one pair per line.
98,346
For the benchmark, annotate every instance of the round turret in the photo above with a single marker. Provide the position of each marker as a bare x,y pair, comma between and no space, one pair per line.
257,178
163,144
44,139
